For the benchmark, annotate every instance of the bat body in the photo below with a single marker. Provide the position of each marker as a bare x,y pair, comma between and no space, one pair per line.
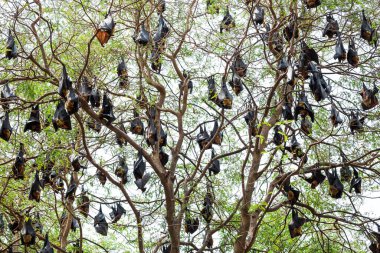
106,30
336,187
278,137
122,73
331,28
5,128
106,112
34,123
312,3
335,117
143,37
250,120
35,189
224,97
303,107
95,98
238,67
369,99
352,55
228,22
316,179
72,102
100,223
215,135
11,49
117,212
61,119
340,51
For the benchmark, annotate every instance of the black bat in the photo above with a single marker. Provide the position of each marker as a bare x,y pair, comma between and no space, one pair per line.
18,167
345,172
352,54
167,248
189,82
292,78
290,31
356,183
122,170
215,166
106,112
303,107
15,225
224,97
94,125
34,124
106,30
84,204
75,163
316,179
278,137
156,60
306,126
236,84
28,235
369,99
303,66
291,193
217,137
336,187
340,51
238,67
163,137
164,158
335,117
331,28
35,189
117,212
101,177
139,166
203,138
47,247
310,53
85,89
295,227
191,224
259,16
95,98
121,141
11,49
366,31
162,30
295,149
312,3
70,193
143,37
356,124
137,126
250,120
141,182
282,64
207,212
72,102
7,95
151,133
100,223
122,73
61,118
212,93
228,22
65,83
5,128
287,113
317,84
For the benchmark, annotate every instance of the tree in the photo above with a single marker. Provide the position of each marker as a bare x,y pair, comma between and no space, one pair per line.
189,126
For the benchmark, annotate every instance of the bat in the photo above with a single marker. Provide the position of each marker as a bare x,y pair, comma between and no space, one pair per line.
336,187
312,3
212,93
95,98
34,124
5,128
331,28
75,163
85,89
18,167
143,37
70,193
163,137
121,141
141,182
356,183
106,30
100,223
35,189
295,149
225,98
59,185
106,112
306,126
122,73
282,65
215,166
203,138
290,31
303,107
352,54
151,133
287,113
189,82
101,177
316,179
122,170
238,67
162,30
28,235
310,53
7,95
137,126
291,193
15,225
250,120
259,16
340,51
65,83
191,225
318,85
217,137
302,66
164,158
167,248
345,172
291,75
61,118
366,31
72,102
228,22
335,117
207,212
47,247
278,137
139,166
369,99
356,124
156,60
94,125
11,49
84,204
117,212
161,6
295,227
